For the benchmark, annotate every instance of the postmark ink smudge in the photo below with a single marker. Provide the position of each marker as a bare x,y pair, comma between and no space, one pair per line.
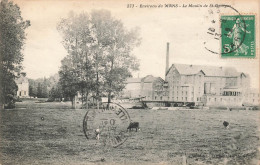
111,121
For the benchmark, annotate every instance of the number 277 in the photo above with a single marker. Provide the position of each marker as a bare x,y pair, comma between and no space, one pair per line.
130,5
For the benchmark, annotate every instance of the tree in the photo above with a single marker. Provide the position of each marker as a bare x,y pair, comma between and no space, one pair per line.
117,44
39,90
55,93
99,54
45,92
68,80
32,88
77,40
12,38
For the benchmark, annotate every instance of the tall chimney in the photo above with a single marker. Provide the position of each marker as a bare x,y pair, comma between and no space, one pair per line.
167,58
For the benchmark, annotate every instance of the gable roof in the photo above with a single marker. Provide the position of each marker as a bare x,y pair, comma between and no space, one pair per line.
185,69
21,79
133,80
150,78
146,79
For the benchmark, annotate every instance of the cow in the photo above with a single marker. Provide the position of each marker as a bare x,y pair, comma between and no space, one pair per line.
226,124
133,125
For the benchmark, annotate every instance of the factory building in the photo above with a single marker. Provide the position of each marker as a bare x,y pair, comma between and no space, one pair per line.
147,88
206,85
200,84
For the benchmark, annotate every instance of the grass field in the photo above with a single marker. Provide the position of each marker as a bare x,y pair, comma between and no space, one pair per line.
51,133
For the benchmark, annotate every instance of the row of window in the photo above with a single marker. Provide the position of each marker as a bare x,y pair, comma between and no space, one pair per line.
225,99
252,95
20,93
177,98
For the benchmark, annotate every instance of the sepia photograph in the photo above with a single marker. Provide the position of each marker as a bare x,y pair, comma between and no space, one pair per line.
114,82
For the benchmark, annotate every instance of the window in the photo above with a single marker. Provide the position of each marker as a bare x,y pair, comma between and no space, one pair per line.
24,92
186,98
215,99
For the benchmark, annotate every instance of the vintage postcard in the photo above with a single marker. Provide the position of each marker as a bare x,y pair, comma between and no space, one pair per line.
129,82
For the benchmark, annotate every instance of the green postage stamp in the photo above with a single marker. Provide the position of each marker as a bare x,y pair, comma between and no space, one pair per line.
238,36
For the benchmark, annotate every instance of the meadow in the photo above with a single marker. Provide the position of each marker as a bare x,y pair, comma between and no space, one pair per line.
52,133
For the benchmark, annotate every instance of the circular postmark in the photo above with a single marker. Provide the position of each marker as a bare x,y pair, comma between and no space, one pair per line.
108,124
227,30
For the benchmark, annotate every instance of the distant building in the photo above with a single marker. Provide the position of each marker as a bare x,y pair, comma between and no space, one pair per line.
251,97
147,88
152,87
133,87
23,86
208,85
202,85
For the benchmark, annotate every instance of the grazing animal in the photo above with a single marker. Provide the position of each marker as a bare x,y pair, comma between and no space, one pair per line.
133,125
226,124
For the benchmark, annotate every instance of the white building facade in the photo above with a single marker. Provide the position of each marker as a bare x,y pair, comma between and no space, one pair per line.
23,86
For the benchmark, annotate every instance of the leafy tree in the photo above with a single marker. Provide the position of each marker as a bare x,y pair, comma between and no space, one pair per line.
45,91
32,88
39,90
99,54
41,87
68,80
12,38
77,40
56,93
117,44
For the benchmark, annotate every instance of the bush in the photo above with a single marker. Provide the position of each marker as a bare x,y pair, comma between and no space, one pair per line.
10,102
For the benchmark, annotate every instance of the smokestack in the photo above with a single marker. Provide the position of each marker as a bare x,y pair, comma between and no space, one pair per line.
167,58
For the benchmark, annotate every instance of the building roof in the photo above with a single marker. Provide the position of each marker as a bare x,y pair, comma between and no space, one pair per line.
186,69
146,79
133,80
150,78
21,79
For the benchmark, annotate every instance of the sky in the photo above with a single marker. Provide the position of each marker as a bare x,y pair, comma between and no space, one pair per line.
184,28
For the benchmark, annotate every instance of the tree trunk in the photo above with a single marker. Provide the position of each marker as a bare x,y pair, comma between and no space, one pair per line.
87,101
109,97
82,100
97,102
73,105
